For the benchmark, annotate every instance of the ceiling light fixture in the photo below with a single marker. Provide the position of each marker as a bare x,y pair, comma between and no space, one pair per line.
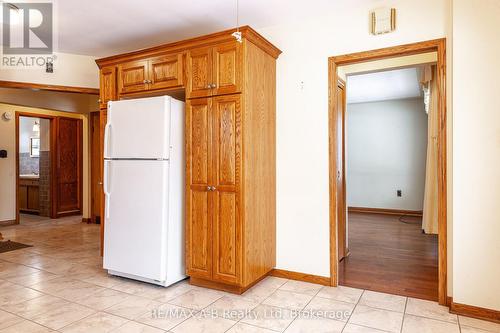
36,126
237,33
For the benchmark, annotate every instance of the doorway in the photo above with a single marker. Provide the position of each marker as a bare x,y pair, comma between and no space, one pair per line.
49,163
338,201
34,167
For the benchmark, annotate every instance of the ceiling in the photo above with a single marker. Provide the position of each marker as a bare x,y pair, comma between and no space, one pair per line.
107,27
382,86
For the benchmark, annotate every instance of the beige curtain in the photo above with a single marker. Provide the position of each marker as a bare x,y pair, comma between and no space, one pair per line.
430,213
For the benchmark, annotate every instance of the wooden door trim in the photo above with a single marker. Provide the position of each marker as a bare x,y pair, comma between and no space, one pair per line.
52,157
439,46
341,84
48,87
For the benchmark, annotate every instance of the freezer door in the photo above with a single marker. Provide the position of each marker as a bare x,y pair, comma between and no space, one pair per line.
138,128
136,215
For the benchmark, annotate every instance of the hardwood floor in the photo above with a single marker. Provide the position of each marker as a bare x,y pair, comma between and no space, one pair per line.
390,256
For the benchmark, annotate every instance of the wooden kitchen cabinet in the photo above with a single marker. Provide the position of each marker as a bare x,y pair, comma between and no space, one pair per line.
165,71
215,70
107,91
214,173
199,72
28,195
133,76
230,175
230,93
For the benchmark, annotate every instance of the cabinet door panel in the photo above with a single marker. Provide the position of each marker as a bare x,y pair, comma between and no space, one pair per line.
23,197
167,71
132,76
33,198
199,140
226,242
199,234
107,90
226,169
198,204
227,131
199,69
227,68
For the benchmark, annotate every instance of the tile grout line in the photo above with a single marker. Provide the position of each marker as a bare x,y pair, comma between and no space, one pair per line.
404,316
294,319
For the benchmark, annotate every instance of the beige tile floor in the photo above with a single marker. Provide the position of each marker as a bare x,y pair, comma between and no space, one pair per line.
59,285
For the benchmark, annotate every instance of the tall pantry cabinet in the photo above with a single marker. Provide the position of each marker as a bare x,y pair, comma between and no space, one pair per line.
230,164
230,93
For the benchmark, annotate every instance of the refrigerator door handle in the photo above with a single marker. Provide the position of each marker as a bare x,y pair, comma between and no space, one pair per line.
107,136
107,193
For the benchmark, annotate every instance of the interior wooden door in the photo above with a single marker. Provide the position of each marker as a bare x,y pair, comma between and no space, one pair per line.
133,76
199,69
341,190
198,195
107,90
226,118
95,167
69,164
227,68
166,71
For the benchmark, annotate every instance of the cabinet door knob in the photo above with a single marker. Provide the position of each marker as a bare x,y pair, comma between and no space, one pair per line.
213,188
145,81
209,188
214,85
209,86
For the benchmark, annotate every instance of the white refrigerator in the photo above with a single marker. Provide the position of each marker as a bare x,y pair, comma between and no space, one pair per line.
144,190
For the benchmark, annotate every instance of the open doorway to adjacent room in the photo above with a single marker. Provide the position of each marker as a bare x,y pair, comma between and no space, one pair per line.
34,169
386,144
388,166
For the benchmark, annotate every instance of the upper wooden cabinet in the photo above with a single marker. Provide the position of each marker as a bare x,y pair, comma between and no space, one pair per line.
132,76
166,71
107,91
162,72
215,70
199,72
204,66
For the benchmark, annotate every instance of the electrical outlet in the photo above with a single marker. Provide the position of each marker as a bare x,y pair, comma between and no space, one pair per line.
399,193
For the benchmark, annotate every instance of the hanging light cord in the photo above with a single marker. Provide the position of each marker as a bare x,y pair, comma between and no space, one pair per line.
237,33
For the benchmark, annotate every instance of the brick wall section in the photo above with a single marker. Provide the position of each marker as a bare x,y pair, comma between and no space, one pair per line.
44,183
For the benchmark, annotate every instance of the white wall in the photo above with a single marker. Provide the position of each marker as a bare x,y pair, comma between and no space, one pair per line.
69,70
26,132
476,155
386,151
302,114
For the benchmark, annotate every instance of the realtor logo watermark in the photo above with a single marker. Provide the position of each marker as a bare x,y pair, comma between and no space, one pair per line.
28,34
